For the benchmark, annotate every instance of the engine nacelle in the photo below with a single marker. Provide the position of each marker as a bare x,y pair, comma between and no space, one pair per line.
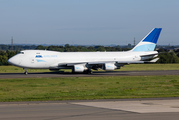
109,66
79,68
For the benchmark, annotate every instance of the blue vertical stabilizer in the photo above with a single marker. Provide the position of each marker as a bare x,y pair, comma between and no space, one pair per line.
149,42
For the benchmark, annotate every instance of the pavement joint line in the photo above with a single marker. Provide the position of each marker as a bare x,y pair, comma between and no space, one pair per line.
137,106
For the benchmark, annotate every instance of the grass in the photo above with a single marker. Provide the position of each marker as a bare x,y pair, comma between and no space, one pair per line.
132,67
78,88
82,88
14,69
140,67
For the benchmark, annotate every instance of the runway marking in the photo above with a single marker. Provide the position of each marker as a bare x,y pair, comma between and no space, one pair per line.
145,106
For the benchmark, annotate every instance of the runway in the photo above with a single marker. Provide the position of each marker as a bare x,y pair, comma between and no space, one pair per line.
94,74
123,109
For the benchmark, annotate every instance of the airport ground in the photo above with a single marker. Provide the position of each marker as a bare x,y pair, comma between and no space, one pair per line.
118,109
131,67
125,109
94,74
68,86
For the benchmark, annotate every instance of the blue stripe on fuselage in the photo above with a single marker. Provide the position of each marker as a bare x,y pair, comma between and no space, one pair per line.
40,60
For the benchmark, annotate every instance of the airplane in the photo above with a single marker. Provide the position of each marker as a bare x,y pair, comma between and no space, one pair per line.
84,62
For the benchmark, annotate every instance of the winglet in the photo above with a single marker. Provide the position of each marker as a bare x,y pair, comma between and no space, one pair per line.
149,42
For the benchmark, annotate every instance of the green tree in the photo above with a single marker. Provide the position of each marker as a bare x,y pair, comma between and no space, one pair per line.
168,58
3,60
40,47
101,48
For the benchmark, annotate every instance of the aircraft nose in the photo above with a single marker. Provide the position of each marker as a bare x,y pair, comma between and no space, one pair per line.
14,60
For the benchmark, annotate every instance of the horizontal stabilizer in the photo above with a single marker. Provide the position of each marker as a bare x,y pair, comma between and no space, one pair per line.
154,60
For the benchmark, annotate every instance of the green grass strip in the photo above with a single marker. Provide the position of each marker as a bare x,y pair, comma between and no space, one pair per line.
83,88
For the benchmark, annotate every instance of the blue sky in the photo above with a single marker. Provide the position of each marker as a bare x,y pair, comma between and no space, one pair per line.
86,22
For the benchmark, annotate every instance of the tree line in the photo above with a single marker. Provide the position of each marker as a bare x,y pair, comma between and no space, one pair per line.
17,47
165,55
71,48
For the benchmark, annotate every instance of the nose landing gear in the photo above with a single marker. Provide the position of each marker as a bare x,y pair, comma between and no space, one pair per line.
25,71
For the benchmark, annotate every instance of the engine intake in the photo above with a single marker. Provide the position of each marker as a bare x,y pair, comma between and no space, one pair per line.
109,66
79,68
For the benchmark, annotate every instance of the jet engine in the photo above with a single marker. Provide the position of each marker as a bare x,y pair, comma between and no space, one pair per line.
109,66
79,68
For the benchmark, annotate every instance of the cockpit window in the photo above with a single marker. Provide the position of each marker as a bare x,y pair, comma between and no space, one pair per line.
21,52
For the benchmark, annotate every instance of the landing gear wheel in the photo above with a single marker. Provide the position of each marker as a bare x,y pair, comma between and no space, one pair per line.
89,71
25,71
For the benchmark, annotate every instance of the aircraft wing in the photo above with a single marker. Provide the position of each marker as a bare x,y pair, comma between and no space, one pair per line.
97,64
103,62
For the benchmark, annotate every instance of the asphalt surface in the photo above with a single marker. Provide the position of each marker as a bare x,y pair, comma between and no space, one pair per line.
94,74
124,109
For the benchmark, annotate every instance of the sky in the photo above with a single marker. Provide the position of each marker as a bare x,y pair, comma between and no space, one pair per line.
87,22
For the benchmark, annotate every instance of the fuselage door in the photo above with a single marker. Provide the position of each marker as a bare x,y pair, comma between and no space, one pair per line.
32,60
136,57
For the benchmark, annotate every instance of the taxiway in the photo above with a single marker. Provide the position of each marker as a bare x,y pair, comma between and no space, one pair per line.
123,109
95,74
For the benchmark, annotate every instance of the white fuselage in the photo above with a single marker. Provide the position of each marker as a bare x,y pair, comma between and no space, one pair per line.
42,59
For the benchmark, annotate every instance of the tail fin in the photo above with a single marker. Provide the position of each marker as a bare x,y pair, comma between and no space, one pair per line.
149,42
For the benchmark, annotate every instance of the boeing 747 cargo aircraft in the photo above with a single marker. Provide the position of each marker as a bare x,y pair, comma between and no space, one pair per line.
86,61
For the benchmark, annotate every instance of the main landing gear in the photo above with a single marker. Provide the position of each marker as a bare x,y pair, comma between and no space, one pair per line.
25,71
89,71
